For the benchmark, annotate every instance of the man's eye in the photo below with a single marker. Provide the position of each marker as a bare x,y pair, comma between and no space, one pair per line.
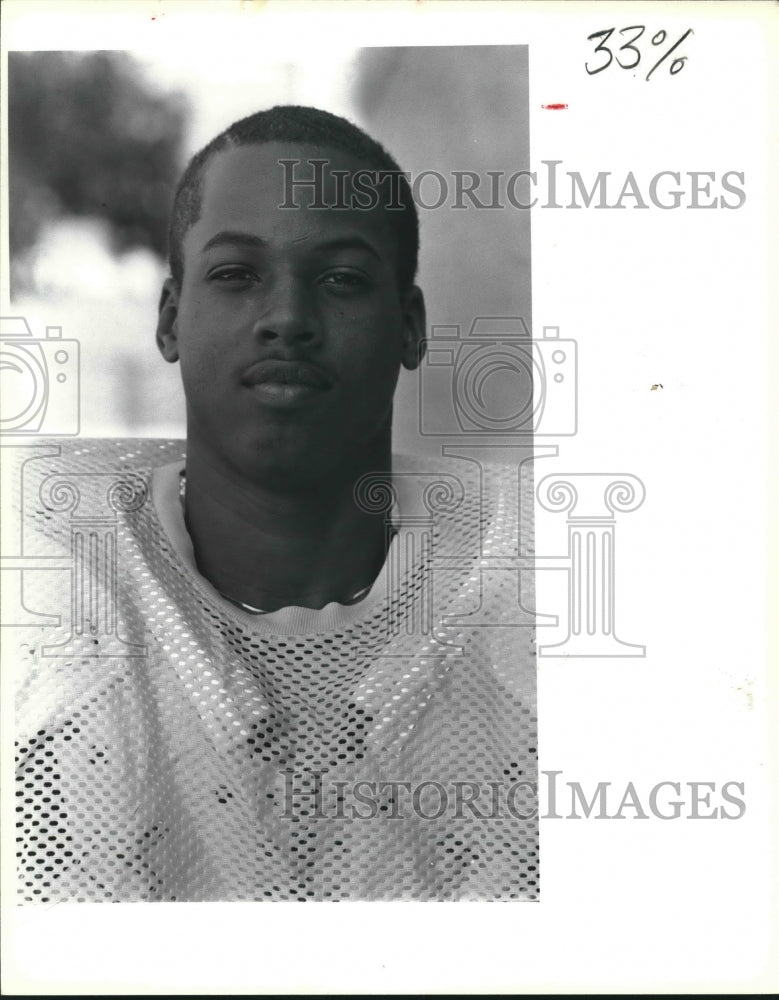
345,280
233,275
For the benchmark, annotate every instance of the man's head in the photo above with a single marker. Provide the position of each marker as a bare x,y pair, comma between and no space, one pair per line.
298,125
290,323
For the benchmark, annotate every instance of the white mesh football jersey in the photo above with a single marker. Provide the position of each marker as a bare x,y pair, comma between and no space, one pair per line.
174,747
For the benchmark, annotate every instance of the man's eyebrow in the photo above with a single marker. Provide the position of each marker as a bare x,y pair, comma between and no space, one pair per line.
234,237
354,242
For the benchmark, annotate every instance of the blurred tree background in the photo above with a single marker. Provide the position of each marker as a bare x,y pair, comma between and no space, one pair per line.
89,136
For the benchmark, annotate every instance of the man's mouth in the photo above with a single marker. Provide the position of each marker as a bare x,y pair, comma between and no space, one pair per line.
291,373
286,384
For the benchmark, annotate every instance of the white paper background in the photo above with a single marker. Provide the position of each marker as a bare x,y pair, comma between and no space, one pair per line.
679,298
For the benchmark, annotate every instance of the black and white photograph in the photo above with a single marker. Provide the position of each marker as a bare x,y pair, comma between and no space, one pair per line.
365,465
287,666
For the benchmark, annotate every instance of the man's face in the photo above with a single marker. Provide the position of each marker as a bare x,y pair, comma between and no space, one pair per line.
289,326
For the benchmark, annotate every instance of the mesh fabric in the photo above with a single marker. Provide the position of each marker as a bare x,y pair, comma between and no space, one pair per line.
172,747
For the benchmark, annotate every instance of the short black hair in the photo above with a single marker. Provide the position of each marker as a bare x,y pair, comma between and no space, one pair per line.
295,123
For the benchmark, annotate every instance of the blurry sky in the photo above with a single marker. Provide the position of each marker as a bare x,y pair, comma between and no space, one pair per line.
223,87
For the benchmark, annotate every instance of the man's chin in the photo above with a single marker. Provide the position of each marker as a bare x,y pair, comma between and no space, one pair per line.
291,473
311,463
279,456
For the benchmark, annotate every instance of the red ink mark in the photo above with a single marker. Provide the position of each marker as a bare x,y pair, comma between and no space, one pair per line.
554,107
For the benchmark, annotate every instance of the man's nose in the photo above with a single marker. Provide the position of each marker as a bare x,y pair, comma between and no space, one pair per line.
287,315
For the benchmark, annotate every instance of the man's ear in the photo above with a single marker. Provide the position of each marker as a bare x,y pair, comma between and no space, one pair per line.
167,321
415,328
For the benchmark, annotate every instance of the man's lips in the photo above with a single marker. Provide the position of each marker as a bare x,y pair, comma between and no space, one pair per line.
291,373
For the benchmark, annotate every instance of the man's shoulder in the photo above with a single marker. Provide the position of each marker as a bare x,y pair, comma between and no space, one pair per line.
132,453
472,472
52,486
462,489
109,454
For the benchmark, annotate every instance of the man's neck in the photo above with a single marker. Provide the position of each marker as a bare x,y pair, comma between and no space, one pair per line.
269,548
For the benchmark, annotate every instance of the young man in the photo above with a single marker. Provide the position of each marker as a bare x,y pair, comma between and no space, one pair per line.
290,326
281,685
